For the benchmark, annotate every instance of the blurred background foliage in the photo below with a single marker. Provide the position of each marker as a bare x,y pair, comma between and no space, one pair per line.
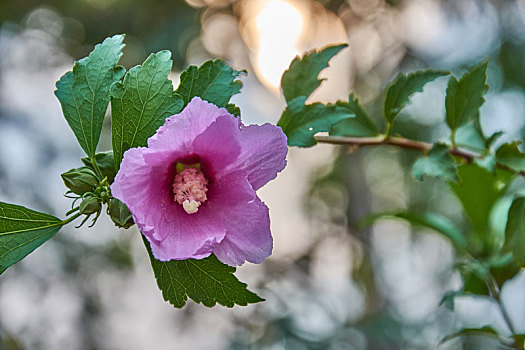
329,284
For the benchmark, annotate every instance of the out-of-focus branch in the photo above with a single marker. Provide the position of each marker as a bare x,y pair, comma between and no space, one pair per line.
392,141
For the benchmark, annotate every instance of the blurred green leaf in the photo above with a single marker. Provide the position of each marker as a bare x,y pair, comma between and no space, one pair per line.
474,275
300,122
478,191
488,162
448,299
483,331
207,281
470,136
503,268
301,77
437,163
509,155
141,103
359,126
404,86
515,231
105,163
432,221
465,96
213,81
84,92
23,230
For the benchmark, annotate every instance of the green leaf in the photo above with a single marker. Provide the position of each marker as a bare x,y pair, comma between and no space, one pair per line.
503,268
432,221
84,92
486,331
23,230
515,231
206,281
105,163
141,103
437,163
509,155
213,81
300,122
399,93
488,162
359,126
465,96
470,136
301,77
474,275
478,192
448,299
233,109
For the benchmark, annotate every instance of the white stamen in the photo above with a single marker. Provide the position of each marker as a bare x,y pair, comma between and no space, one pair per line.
191,207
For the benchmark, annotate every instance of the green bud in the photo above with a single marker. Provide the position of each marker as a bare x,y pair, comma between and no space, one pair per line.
80,180
89,205
105,163
119,213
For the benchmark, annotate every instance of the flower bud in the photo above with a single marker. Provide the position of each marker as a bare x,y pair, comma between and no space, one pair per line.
119,213
80,180
89,205
105,163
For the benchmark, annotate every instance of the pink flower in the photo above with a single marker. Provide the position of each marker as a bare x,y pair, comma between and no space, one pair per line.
192,190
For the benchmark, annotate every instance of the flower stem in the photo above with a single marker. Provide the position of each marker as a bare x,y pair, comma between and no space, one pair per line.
388,132
495,292
69,219
97,169
401,142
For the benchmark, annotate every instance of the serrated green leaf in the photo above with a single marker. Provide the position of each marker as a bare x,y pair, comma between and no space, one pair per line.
233,109
301,77
478,192
207,281
300,122
438,163
105,163
509,155
141,103
399,92
433,221
515,231
465,96
84,92
213,81
23,230
359,126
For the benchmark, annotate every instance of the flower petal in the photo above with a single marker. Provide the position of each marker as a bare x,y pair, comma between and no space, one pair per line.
263,153
173,233
219,145
180,130
191,237
248,236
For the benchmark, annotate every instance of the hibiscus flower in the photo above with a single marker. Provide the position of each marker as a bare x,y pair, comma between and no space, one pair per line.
192,191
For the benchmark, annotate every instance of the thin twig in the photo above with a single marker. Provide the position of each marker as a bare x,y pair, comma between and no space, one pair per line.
381,140
392,141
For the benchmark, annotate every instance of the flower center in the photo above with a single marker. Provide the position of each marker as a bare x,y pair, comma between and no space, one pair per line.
189,188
